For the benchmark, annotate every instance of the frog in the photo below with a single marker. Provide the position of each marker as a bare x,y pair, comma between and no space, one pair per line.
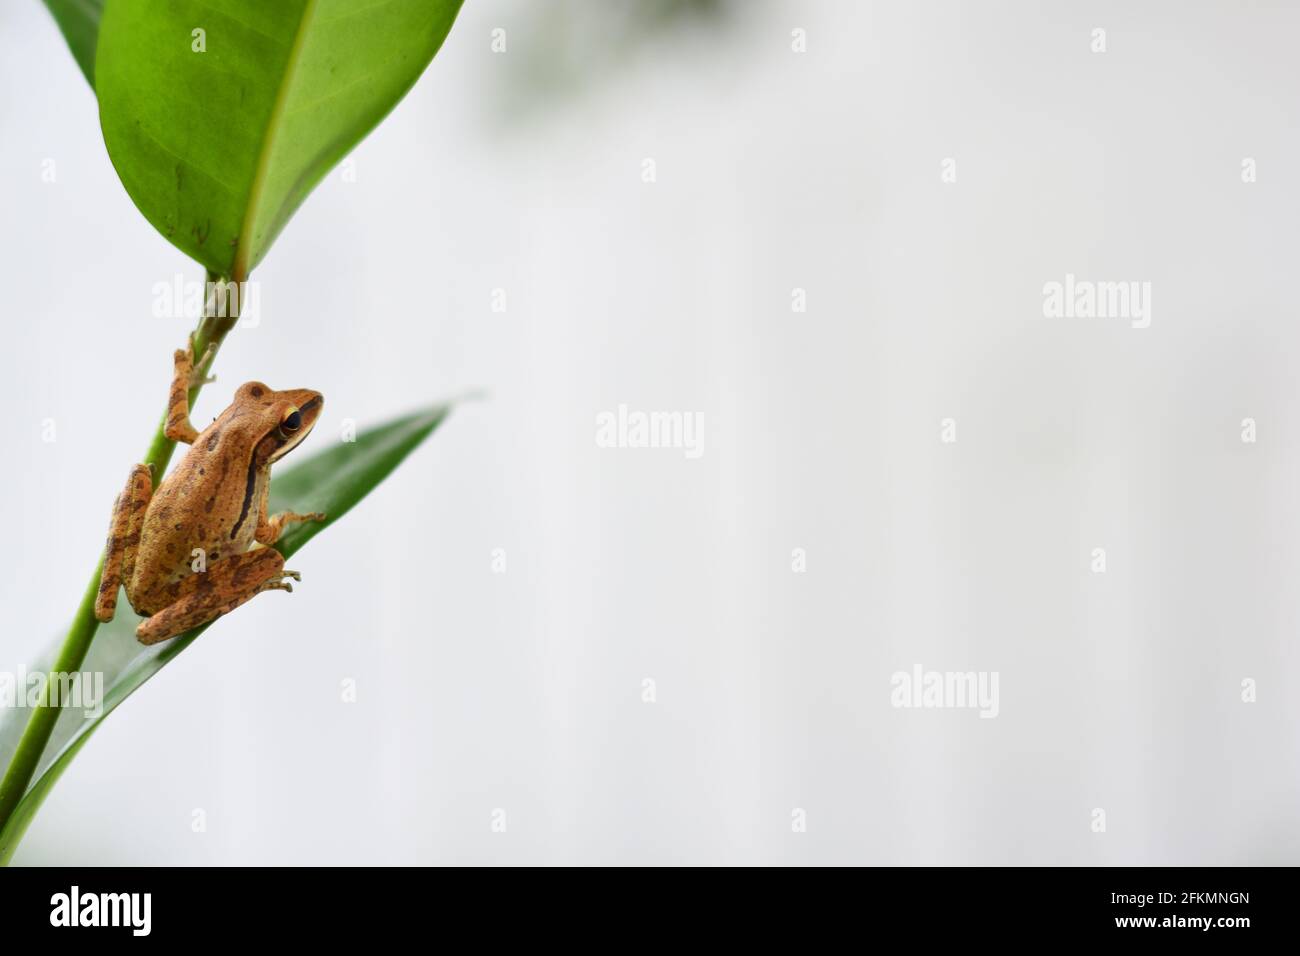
200,544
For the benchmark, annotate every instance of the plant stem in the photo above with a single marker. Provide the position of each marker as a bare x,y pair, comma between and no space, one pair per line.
211,332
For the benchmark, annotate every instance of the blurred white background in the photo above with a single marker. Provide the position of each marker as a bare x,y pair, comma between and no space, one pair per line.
775,170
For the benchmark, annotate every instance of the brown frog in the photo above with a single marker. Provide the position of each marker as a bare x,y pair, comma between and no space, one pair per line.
199,546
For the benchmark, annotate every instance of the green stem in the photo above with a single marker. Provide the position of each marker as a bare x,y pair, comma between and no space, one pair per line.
210,333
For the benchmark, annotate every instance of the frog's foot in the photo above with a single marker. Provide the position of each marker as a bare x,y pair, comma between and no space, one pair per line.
281,585
196,377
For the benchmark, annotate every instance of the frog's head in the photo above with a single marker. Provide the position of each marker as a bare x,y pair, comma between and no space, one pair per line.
281,419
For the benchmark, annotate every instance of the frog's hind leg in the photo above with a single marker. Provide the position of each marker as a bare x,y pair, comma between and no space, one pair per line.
206,595
123,539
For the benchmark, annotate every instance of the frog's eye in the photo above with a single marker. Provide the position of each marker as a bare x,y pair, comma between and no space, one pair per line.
291,422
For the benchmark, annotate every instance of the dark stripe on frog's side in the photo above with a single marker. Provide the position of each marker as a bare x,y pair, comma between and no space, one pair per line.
272,441
250,485
248,495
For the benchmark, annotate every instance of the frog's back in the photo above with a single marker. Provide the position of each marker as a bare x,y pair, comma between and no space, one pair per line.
209,501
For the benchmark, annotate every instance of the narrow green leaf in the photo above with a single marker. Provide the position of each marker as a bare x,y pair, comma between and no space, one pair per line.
219,136
79,22
332,481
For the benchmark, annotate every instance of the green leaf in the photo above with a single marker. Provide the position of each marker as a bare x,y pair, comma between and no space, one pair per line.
332,481
219,148
79,21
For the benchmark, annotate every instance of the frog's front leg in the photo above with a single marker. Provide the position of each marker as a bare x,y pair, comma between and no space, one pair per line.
184,377
269,529
206,595
123,539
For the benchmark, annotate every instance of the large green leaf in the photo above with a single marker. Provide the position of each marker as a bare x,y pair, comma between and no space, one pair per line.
79,21
331,481
218,148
